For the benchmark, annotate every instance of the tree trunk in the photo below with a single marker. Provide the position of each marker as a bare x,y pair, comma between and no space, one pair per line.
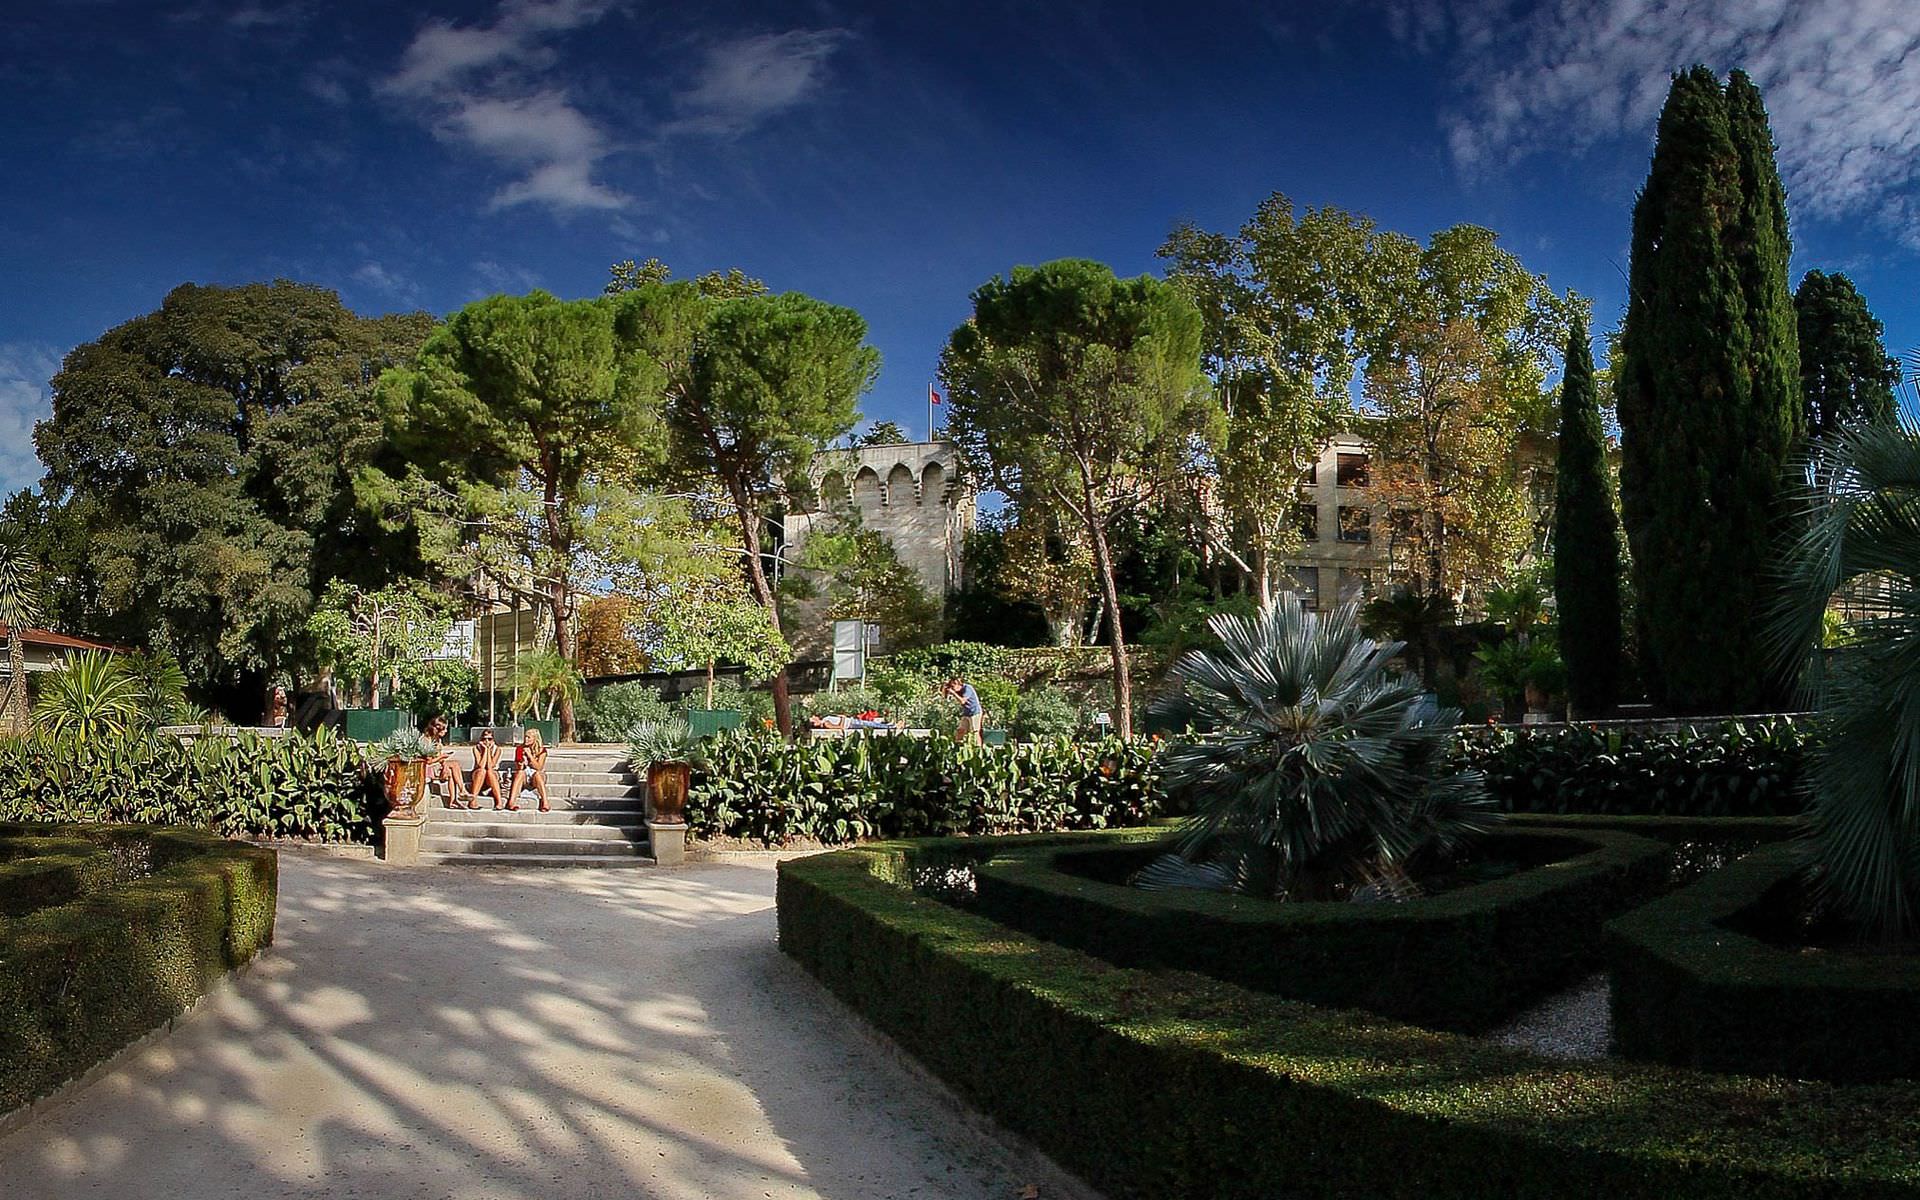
709,685
16,698
749,516
1117,643
1264,570
559,600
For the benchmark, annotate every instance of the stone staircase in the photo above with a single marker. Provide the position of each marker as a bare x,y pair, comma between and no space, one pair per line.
598,820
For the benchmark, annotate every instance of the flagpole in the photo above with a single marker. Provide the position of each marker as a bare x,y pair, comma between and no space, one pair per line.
929,412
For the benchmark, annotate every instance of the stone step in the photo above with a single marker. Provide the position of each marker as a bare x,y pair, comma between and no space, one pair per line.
545,829
531,815
616,802
540,861
563,846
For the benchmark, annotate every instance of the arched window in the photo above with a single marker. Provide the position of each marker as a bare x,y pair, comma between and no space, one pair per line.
866,489
933,484
900,485
833,492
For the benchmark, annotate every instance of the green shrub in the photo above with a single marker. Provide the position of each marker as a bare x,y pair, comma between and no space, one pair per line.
86,976
1463,959
291,787
1694,985
1166,1086
1045,712
755,704
847,702
1733,769
937,664
759,787
610,711
445,687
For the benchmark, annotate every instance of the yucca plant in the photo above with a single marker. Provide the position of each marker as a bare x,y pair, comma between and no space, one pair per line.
89,697
159,684
1862,522
663,742
1313,766
19,609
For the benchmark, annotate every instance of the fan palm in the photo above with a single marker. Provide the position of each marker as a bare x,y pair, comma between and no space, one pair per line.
19,609
1415,619
1863,807
89,697
1312,758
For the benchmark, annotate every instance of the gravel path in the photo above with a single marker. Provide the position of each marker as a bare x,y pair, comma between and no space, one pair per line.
1575,1024
475,1034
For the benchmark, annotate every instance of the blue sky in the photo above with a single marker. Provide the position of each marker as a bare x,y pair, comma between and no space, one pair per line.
889,157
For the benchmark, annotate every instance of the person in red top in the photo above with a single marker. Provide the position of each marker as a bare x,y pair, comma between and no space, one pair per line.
530,766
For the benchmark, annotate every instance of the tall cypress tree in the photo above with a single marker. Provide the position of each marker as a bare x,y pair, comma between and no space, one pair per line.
1700,470
1586,539
1846,377
1762,246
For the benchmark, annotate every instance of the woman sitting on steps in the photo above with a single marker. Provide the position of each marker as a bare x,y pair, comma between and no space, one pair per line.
530,766
486,772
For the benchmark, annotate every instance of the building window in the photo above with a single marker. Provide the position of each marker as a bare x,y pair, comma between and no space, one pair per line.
1306,518
1311,475
1351,471
1355,584
1304,582
1356,523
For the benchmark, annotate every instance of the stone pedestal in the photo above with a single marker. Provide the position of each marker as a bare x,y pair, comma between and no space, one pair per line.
401,845
669,842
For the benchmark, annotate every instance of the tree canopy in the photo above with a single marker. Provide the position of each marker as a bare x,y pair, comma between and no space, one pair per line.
1846,376
199,463
1586,540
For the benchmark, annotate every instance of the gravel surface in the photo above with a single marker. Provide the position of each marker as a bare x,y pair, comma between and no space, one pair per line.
1576,1023
443,1033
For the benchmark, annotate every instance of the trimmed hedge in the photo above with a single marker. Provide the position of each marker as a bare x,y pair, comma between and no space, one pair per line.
758,786
81,979
1464,959
1743,768
1692,987
1165,1085
317,787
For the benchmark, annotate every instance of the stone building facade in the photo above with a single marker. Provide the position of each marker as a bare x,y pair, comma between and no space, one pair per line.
1346,553
912,493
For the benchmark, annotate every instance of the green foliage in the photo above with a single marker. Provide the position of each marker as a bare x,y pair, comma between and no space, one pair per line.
882,433
768,790
90,698
1074,389
159,685
700,629
1708,977
937,664
990,604
1133,1079
1508,668
755,703
1305,749
1734,769
1465,959
671,741
862,578
380,637
445,687
1706,384
293,787
87,977
1415,619
1862,526
1846,376
199,464
1586,540
612,709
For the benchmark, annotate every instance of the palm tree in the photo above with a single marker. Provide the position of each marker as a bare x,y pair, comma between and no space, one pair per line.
1415,619
544,676
1863,811
1312,759
89,697
19,609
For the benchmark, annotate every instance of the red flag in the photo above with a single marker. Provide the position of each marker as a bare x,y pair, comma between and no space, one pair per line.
933,397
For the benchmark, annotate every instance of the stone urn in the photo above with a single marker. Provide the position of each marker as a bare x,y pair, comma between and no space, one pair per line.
667,784
406,786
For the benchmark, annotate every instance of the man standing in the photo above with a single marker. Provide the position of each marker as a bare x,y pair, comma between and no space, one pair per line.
972,718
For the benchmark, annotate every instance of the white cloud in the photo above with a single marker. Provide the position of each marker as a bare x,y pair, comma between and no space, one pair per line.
24,399
1841,80
744,81
480,86
376,276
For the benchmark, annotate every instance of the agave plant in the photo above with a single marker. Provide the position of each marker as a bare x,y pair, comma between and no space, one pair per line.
1863,806
90,697
663,742
1313,763
405,744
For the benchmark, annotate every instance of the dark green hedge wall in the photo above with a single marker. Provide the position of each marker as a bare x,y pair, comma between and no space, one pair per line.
81,979
1166,1086
1745,768
760,787
1464,959
1693,988
286,787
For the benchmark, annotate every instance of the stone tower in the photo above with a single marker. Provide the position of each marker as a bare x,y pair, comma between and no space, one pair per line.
912,493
